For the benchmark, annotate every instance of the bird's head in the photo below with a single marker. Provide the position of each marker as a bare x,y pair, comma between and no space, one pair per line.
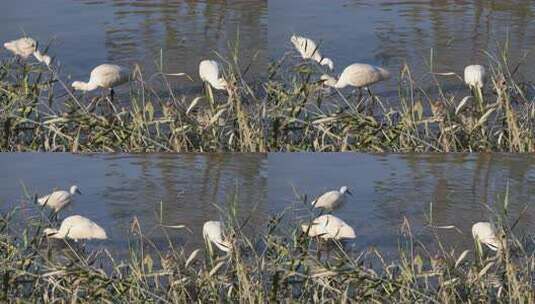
328,80
345,190
50,232
74,189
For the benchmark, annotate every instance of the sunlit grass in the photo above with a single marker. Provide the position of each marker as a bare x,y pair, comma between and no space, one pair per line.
278,264
288,110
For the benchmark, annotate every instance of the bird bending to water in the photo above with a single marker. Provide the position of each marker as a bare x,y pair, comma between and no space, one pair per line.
57,200
332,199
329,227
212,231
77,227
357,75
25,47
485,233
474,76
105,76
308,49
209,73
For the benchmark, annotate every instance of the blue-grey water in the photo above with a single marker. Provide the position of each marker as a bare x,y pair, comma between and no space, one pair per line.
188,189
392,33
172,35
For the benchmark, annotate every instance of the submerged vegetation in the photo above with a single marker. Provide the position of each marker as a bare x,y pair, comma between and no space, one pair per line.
278,265
287,110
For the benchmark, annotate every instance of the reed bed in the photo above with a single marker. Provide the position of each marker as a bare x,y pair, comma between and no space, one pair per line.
288,109
280,264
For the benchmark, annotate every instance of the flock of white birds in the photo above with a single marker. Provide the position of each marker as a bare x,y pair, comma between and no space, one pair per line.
107,75
326,226
363,75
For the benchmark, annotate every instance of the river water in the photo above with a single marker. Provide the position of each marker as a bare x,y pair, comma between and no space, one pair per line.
174,34
188,189
391,33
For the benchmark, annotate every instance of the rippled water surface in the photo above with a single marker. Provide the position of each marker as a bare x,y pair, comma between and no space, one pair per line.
188,189
87,32
183,189
387,188
391,33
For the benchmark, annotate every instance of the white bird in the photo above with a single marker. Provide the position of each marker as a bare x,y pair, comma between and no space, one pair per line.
105,76
474,76
308,49
57,200
485,233
25,47
77,227
212,232
329,227
209,72
357,75
332,199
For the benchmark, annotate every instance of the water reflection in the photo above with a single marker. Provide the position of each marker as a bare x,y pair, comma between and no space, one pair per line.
391,33
124,31
388,188
119,188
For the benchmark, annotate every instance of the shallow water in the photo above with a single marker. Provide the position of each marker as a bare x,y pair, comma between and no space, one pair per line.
86,33
386,188
391,33
118,188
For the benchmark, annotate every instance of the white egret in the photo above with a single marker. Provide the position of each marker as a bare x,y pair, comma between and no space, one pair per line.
332,199
329,227
209,73
212,232
57,200
25,47
474,76
106,76
77,227
485,233
358,75
308,49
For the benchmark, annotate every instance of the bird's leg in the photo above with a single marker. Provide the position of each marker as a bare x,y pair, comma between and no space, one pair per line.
112,94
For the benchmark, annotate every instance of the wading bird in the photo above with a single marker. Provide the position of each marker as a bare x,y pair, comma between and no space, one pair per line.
209,73
77,227
474,76
107,76
329,227
485,233
212,231
332,199
25,47
308,49
57,200
358,75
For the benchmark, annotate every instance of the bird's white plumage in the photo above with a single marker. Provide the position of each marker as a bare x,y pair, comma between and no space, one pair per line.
25,47
212,231
105,76
308,49
77,227
331,200
485,233
209,72
58,200
474,75
329,227
357,75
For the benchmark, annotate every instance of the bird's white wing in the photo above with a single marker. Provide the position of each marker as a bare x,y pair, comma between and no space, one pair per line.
327,200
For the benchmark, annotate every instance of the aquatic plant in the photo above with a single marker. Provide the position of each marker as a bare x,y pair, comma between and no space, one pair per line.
287,110
287,266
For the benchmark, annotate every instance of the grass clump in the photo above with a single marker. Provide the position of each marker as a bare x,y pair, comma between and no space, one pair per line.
280,264
288,110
